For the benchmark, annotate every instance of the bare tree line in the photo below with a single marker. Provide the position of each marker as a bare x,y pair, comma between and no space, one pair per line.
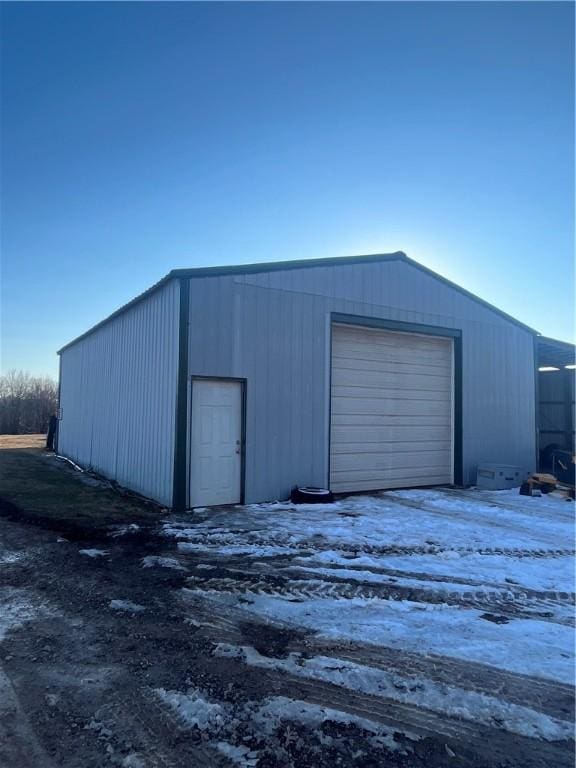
26,403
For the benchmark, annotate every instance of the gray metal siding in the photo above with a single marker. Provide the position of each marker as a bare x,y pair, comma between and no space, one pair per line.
118,396
274,330
556,408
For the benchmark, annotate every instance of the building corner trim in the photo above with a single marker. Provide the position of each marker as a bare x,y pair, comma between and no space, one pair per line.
459,479
179,489
59,406
535,363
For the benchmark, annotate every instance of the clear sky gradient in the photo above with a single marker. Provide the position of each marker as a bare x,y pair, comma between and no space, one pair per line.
141,137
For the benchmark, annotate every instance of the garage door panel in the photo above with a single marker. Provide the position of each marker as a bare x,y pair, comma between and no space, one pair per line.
391,409
369,340
387,420
394,475
359,377
381,462
391,447
407,365
360,434
374,354
414,388
368,484
383,405
350,334
364,481
379,360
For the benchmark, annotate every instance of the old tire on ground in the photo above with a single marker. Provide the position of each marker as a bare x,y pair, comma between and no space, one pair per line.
311,496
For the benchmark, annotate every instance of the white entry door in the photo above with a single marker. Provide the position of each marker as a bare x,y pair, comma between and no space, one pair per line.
216,442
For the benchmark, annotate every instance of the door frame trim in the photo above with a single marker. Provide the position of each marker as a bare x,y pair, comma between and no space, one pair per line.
243,390
338,318
179,475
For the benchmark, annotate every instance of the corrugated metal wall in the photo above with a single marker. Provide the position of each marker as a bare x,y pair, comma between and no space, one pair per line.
556,408
274,330
118,396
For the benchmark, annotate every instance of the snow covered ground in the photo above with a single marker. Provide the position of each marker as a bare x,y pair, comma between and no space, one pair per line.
451,577
453,520
426,629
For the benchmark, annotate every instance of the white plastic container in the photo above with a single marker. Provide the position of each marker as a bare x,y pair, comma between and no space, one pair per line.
498,477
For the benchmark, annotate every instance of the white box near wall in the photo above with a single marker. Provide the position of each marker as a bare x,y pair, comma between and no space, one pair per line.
497,477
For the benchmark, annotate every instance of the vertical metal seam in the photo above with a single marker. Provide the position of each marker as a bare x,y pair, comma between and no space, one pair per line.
458,412
181,410
567,392
244,405
330,331
535,363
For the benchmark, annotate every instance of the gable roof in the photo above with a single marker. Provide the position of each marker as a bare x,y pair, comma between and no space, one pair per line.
278,266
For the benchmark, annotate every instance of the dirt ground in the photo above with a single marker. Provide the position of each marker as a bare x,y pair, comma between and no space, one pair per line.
106,662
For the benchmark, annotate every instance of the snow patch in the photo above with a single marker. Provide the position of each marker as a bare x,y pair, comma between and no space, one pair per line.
69,461
123,530
188,546
527,646
257,551
94,552
488,570
192,708
126,605
17,606
416,691
162,562
383,579
7,558
241,755
385,520
133,761
276,709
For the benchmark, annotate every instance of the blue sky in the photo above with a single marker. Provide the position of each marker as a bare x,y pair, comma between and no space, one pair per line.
141,137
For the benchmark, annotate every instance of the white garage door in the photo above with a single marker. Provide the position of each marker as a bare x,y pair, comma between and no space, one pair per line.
391,410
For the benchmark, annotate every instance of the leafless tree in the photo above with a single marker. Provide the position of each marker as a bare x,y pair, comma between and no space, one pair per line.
26,403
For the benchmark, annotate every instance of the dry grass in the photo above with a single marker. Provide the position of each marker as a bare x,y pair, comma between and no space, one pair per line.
22,441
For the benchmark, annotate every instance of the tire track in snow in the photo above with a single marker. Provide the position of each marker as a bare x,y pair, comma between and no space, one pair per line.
218,622
400,717
442,699
308,546
507,604
517,591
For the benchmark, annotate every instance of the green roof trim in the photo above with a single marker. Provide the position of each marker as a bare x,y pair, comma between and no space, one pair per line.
279,266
